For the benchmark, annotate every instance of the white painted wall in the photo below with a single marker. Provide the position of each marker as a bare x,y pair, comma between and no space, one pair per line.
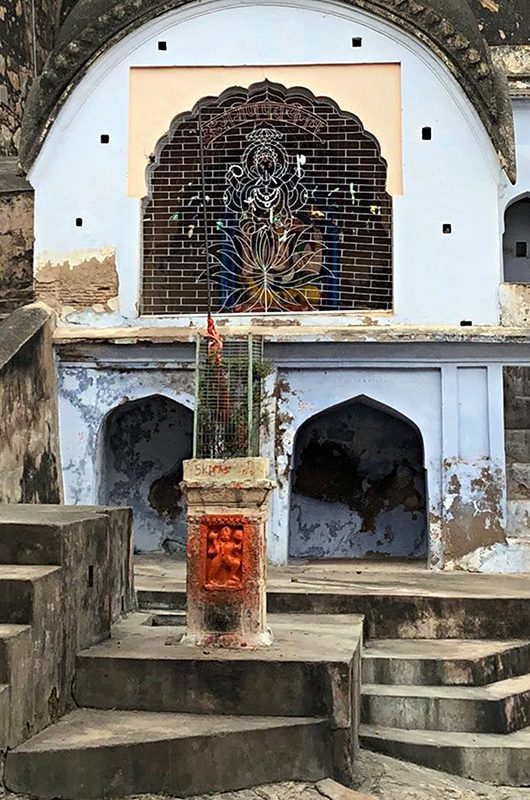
439,279
521,114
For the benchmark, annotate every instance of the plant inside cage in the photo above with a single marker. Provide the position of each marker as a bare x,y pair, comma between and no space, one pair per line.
228,384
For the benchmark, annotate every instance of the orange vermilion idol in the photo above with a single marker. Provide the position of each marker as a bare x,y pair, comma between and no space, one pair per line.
223,540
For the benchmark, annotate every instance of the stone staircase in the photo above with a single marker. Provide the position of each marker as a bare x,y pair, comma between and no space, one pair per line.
58,593
458,706
156,716
446,661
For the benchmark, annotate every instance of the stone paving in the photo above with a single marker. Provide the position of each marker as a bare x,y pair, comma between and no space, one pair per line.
379,777
383,778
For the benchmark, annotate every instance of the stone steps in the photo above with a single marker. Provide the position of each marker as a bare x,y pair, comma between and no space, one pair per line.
97,754
392,613
502,707
57,595
14,639
443,662
22,588
160,716
492,758
462,706
146,668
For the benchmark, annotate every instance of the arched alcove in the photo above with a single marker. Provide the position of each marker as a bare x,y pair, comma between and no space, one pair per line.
516,241
142,446
358,485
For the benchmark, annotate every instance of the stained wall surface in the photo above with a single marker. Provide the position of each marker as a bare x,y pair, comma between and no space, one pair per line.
358,486
29,449
456,408
144,444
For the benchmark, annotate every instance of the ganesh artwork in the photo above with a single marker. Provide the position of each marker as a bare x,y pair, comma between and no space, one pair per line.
224,541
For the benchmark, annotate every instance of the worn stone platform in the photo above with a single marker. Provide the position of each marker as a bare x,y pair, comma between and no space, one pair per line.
397,600
145,667
157,715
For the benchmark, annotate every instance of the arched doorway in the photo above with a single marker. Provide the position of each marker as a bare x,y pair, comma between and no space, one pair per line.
358,485
516,242
143,445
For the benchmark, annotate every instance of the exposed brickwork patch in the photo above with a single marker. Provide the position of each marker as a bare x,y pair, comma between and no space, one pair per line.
83,280
342,169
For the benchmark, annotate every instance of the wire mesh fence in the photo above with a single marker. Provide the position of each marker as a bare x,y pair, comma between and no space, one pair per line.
228,385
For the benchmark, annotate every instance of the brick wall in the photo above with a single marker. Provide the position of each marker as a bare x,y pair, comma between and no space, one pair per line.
343,173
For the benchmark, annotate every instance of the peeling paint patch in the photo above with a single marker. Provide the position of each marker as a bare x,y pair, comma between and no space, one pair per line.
473,509
84,279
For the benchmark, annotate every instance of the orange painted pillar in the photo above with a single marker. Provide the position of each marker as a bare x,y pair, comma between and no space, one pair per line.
226,515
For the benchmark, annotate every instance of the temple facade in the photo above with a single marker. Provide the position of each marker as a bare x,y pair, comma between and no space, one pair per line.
346,183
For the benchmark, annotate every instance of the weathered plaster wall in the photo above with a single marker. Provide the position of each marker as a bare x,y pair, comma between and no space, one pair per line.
459,413
459,160
85,279
28,29
358,486
96,466
29,448
456,405
144,444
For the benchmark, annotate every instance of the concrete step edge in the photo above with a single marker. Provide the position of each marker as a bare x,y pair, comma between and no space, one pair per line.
168,754
517,740
493,692
416,649
10,636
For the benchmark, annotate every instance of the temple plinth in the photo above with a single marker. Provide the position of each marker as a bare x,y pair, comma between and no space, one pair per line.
226,515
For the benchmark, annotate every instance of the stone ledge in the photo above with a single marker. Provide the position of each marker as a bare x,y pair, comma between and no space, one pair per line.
11,179
18,328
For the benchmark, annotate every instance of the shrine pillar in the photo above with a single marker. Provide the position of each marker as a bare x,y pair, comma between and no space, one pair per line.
226,513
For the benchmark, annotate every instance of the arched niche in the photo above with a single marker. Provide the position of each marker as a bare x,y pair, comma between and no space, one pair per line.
516,241
358,485
142,446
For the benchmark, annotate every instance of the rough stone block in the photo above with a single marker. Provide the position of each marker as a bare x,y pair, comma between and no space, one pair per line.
208,470
336,791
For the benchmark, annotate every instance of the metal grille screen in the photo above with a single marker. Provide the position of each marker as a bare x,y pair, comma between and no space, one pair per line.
228,397
293,194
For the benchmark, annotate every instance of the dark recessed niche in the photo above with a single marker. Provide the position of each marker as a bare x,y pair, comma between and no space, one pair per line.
90,576
426,134
162,45
357,41
447,228
104,138
521,249
78,221
466,323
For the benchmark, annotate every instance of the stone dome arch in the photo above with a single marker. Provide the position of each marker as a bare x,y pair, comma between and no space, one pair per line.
448,28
